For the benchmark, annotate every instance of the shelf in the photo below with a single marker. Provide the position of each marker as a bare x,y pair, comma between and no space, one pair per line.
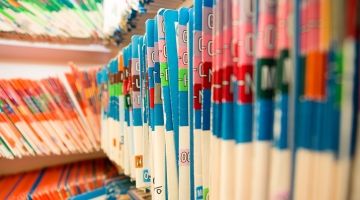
37,162
50,39
60,54
151,8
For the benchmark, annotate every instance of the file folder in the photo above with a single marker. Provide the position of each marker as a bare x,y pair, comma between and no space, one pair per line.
150,68
264,97
171,81
217,88
160,187
245,98
205,73
280,174
183,107
196,100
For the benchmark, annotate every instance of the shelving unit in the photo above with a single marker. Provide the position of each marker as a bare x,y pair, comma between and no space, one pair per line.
109,85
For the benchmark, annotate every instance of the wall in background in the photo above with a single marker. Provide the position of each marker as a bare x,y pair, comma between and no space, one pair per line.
39,60
33,70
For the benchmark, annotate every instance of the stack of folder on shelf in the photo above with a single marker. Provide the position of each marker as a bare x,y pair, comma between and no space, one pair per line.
83,19
53,116
237,99
61,182
61,20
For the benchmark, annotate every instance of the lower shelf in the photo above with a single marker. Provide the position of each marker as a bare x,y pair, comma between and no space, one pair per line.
36,162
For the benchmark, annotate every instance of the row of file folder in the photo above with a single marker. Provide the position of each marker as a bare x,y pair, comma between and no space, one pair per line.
237,99
56,115
60,182
94,19
66,18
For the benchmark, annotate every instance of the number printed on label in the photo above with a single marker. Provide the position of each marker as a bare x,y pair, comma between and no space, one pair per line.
184,157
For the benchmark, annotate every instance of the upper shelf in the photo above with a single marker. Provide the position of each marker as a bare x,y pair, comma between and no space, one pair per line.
81,23
27,49
65,19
